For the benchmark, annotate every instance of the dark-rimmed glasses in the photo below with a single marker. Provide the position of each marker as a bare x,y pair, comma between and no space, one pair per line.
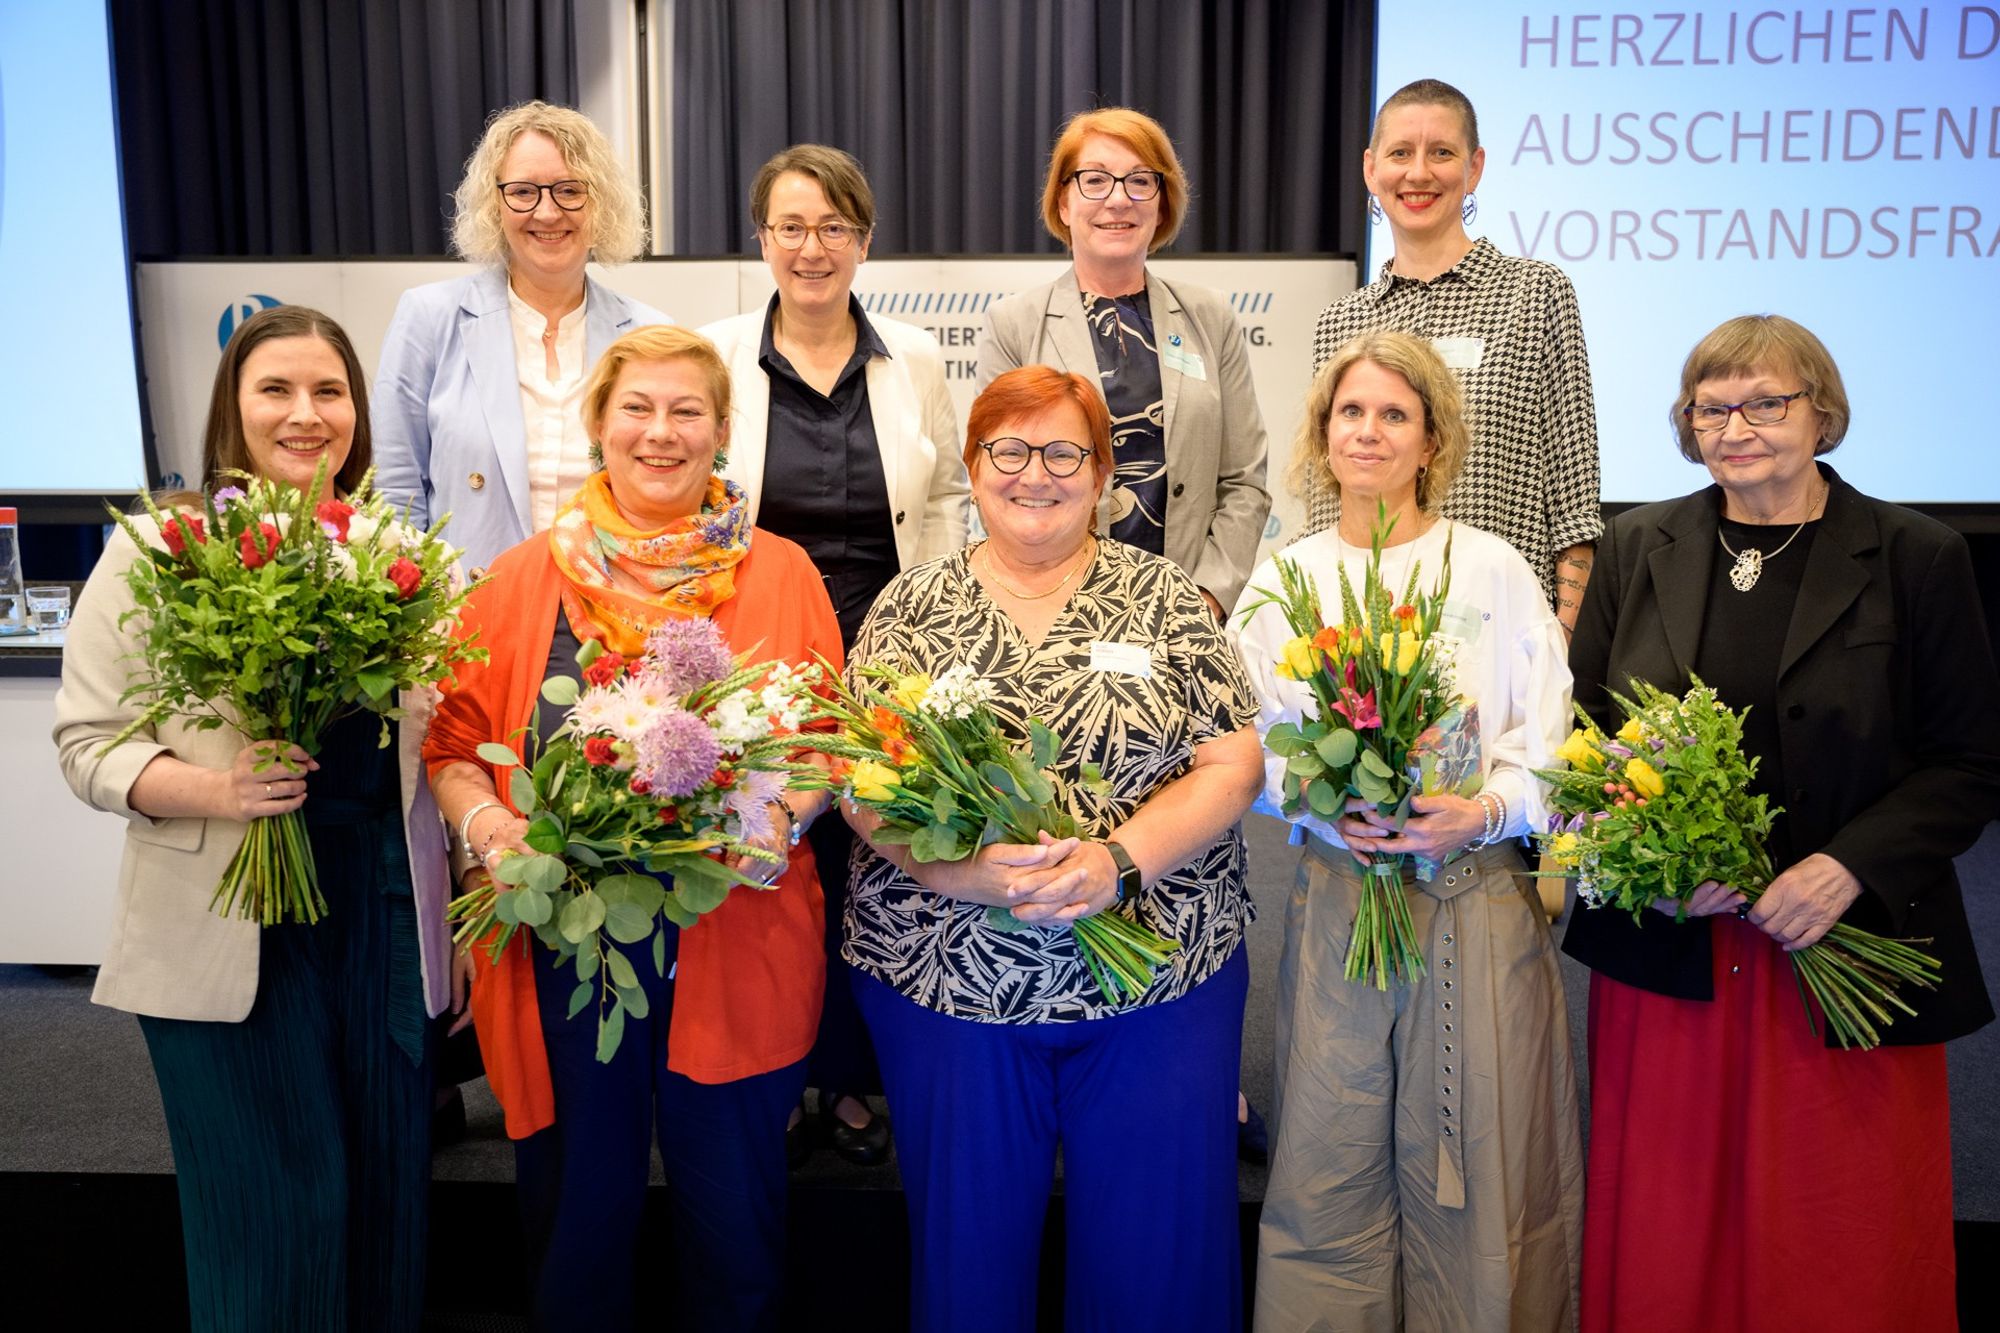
832,235
1139,185
1060,458
526,196
1765,410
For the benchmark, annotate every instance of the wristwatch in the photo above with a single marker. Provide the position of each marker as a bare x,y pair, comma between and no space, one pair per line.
1130,881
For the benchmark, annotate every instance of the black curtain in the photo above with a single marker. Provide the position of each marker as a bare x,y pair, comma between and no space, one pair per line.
952,105
317,127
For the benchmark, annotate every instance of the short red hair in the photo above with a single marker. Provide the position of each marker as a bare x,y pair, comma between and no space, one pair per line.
1030,391
1148,142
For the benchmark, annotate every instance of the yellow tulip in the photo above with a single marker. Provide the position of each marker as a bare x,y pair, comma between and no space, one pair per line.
1644,778
910,690
1632,733
1298,660
873,781
1579,752
1562,848
1399,652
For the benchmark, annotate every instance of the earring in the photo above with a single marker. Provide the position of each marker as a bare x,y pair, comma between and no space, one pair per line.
1374,209
1469,210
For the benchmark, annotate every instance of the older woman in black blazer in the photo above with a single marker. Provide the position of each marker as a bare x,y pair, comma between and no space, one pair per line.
1744,1173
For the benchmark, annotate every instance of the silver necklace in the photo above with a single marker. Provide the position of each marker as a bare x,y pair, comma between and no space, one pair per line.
1749,566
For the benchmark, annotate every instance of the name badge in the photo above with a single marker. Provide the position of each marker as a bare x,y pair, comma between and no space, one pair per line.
1183,359
1461,353
1127,659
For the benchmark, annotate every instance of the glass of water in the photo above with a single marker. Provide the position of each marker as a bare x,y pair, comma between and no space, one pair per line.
49,606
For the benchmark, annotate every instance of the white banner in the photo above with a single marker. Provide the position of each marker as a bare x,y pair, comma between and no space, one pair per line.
190,309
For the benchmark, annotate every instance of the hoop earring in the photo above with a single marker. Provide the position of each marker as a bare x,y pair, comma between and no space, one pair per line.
1374,210
1469,210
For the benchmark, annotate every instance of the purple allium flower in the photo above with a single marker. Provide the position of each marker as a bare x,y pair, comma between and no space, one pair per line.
676,754
682,655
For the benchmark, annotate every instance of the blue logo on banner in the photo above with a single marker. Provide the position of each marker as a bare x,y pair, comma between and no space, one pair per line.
239,310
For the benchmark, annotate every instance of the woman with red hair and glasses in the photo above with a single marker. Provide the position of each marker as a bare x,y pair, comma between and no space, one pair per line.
995,1045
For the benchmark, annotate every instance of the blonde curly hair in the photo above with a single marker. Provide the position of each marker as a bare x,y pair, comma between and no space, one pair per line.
1309,472
617,212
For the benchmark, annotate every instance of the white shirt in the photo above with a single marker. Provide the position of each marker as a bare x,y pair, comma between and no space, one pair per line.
558,450
1514,663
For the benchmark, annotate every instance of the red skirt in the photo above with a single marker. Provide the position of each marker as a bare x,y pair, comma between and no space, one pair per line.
1743,1175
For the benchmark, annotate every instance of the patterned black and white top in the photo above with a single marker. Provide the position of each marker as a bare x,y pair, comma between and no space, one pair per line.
1128,372
1141,731
1511,329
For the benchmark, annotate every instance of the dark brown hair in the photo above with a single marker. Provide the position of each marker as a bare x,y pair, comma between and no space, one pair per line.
223,447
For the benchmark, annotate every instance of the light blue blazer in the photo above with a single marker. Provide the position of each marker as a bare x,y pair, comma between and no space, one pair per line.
446,410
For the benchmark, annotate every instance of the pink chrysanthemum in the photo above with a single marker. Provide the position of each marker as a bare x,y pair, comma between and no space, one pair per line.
750,801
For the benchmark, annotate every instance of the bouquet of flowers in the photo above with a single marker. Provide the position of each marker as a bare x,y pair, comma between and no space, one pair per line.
664,765
275,614
1388,725
1665,805
929,757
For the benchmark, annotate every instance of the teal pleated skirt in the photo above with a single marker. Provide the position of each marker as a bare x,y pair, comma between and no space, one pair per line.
301,1136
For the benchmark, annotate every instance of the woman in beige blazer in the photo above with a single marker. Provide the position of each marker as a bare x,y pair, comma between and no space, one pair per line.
292,1059
1168,356
844,437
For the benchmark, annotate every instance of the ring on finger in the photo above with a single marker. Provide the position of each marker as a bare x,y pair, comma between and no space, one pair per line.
267,791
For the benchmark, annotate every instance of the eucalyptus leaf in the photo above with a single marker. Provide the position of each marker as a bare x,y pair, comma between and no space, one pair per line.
1337,748
511,869
583,855
660,952
582,917
1306,765
700,895
635,1002
1041,744
544,872
521,790
610,1032
1284,740
1001,780
533,907
1325,798
560,690
587,961
620,969
671,908
505,907
580,997
1375,764
627,924
591,650
500,756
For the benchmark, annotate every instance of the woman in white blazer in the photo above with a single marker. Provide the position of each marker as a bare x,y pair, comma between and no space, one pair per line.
476,410
844,436
1187,434
293,1061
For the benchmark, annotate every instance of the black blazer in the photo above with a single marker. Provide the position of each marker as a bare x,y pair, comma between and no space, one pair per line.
1889,723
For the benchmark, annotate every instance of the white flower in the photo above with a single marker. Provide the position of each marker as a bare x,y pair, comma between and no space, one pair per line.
1445,654
597,711
343,562
740,719
958,693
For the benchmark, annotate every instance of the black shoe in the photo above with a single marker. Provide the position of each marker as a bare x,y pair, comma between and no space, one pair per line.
798,1141
448,1120
1253,1140
867,1146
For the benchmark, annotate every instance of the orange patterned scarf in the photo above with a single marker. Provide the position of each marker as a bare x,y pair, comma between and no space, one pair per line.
623,581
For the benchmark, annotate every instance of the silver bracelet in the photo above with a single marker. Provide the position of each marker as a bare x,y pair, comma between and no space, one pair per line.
1494,816
465,822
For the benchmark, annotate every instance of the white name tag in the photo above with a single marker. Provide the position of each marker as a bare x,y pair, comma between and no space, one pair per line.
1176,356
1461,353
1127,659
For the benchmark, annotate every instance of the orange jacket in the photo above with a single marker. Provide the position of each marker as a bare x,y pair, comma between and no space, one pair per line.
752,972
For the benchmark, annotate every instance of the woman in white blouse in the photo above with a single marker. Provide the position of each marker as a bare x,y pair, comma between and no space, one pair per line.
1427,1169
476,402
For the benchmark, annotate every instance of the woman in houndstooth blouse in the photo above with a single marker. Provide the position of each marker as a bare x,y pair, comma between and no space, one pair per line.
1508,326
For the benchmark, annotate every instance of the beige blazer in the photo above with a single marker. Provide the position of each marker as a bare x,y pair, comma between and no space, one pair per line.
170,956
916,431
1216,501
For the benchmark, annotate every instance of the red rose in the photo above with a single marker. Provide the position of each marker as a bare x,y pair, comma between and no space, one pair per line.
259,545
597,750
724,778
604,669
333,516
670,814
406,576
176,537
641,787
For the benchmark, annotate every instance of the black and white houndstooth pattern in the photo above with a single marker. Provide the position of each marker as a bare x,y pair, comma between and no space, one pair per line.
1532,477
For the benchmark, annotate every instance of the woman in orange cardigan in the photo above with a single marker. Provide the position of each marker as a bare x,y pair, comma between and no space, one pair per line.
720,1061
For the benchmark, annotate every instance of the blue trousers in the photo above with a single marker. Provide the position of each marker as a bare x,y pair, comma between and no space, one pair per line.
582,1181
1143,1108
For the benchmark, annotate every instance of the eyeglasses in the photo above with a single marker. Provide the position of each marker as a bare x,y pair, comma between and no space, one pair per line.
526,196
1060,458
1139,185
832,235
1765,411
